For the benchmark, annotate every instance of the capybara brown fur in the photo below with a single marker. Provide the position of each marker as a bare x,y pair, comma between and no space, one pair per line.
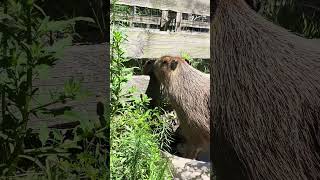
153,90
265,98
188,92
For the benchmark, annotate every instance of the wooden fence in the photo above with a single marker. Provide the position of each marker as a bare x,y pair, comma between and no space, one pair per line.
169,27
147,43
178,15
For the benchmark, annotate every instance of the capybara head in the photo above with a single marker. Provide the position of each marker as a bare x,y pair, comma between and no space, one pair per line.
164,67
148,67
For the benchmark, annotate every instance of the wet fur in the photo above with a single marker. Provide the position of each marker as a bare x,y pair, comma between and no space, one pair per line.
188,91
265,98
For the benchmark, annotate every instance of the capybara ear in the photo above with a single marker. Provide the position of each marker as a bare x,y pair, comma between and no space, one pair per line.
173,64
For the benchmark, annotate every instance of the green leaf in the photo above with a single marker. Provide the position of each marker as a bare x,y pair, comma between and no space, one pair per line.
5,17
71,116
11,146
85,122
59,46
82,94
71,87
41,97
63,24
100,135
48,169
87,19
55,26
44,133
70,144
5,137
35,160
43,71
29,2
39,9
43,28
57,135
77,137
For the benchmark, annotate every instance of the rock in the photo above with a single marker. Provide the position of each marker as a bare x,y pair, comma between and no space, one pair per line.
85,63
186,169
204,156
140,82
183,148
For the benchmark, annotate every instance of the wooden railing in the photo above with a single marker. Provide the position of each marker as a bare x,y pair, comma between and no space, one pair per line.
139,19
201,7
145,19
194,24
157,20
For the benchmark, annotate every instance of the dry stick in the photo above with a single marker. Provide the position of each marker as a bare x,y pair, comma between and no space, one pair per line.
97,19
48,104
103,15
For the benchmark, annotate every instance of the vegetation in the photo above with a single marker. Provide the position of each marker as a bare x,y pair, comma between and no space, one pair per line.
28,53
87,32
299,16
200,64
137,133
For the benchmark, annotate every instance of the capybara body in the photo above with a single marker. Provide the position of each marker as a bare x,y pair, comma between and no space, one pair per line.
188,92
265,98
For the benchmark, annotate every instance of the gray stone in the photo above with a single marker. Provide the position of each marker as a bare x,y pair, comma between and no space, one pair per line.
188,169
140,82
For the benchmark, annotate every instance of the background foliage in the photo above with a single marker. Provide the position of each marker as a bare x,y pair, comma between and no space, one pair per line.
299,16
28,52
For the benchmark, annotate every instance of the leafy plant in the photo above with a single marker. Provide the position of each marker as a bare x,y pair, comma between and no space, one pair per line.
199,64
135,148
28,53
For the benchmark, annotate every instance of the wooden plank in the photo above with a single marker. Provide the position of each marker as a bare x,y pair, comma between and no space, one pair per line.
201,7
194,24
161,21
148,43
139,19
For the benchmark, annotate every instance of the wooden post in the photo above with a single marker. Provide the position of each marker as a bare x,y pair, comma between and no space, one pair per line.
133,16
191,22
178,21
134,10
164,18
190,17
